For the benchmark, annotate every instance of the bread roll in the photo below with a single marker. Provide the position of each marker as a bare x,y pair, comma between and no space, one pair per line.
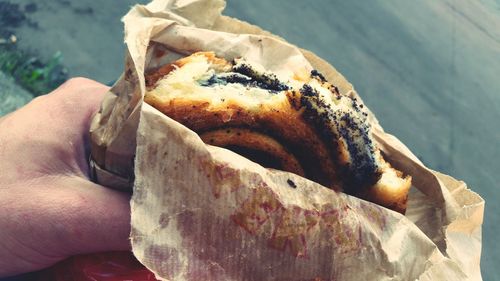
300,124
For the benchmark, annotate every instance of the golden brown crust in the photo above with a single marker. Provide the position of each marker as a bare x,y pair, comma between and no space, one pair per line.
282,123
282,130
384,192
258,146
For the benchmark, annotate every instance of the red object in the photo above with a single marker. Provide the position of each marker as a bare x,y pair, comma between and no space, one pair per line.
112,266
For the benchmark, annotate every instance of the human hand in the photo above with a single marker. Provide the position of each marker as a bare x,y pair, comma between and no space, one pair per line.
49,210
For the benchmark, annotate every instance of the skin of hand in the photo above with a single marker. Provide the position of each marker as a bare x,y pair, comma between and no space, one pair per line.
49,209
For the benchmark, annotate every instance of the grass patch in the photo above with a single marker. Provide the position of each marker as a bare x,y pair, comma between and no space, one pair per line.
36,76
30,72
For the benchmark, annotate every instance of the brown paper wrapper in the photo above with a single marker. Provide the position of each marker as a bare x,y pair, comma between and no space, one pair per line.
204,213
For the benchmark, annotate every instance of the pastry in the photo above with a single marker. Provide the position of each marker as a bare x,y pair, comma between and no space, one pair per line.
300,124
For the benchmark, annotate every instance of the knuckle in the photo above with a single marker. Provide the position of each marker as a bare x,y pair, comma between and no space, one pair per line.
39,100
77,81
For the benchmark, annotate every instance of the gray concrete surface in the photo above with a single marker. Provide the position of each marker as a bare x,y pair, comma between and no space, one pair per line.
12,96
88,33
428,69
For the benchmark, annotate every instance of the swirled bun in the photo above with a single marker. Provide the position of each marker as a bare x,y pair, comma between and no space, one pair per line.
300,124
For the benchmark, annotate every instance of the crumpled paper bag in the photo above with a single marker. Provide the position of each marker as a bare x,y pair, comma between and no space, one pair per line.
205,213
